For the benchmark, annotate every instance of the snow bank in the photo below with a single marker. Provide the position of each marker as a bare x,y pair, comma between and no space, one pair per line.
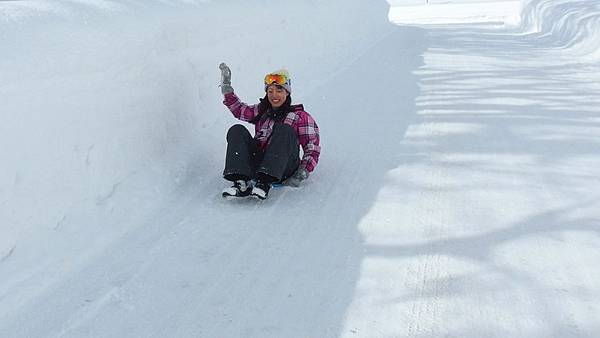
108,108
572,26
455,12
569,26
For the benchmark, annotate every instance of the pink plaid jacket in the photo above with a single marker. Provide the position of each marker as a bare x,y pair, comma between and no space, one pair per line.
305,126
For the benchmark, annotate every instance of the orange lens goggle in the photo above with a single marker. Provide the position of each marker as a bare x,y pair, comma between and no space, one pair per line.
276,79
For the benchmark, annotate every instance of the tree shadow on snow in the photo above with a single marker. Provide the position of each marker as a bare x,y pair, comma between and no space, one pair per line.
507,101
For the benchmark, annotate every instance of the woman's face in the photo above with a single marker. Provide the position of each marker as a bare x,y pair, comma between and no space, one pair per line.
276,95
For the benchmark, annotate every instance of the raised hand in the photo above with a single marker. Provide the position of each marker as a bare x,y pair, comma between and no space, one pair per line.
225,79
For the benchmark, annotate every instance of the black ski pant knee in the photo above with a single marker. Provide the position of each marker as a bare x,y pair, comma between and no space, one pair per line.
242,150
244,159
282,155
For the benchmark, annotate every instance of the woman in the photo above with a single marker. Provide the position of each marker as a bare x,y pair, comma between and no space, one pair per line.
280,129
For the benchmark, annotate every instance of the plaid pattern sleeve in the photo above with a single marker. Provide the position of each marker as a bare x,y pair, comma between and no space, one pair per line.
308,137
239,109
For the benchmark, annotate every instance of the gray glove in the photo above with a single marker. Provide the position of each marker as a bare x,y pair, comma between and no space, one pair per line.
299,176
225,79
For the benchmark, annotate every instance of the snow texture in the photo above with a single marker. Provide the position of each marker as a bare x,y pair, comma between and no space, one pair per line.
457,193
462,12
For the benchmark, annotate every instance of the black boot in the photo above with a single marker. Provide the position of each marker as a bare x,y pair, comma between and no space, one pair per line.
261,190
262,186
240,188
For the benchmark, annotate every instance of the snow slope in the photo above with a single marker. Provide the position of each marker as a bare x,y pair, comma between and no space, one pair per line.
457,194
111,117
109,107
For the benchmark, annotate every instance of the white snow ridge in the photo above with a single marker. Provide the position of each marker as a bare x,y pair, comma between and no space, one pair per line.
457,194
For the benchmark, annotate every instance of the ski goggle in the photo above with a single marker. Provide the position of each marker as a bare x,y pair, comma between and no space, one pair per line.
278,79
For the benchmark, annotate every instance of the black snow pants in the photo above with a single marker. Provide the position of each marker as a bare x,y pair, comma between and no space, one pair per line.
244,160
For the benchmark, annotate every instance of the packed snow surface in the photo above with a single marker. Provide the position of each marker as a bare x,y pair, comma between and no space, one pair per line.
457,194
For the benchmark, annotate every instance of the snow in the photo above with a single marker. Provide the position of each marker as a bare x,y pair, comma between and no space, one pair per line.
456,11
457,193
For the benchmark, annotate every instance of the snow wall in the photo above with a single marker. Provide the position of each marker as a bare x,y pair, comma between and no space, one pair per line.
572,26
109,107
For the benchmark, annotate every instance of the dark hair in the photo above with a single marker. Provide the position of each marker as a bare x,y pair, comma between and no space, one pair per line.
265,108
